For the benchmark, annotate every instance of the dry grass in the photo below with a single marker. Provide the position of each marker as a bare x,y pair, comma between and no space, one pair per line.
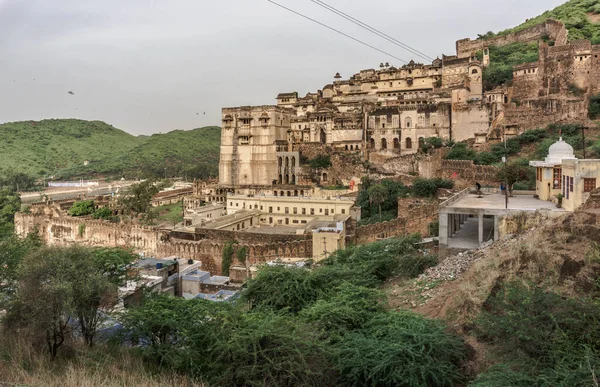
23,365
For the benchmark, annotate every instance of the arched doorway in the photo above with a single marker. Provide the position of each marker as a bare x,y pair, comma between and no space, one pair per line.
324,177
408,143
294,180
396,143
372,143
323,136
383,143
421,143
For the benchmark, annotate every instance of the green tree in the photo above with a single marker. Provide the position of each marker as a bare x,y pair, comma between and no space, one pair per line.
10,203
138,197
378,195
12,251
512,173
320,162
102,213
82,208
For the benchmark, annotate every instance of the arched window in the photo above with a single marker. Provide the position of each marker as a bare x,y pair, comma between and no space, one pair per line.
275,193
396,143
293,161
421,142
280,181
324,177
294,182
474,71
287,179
287,161
383,143
372,143
408,122
323,136
408,143
280,161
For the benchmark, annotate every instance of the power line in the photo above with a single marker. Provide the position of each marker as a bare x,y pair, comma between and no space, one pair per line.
338,31
372,30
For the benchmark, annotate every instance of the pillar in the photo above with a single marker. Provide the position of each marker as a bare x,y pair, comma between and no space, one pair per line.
496,227
443,220
480,216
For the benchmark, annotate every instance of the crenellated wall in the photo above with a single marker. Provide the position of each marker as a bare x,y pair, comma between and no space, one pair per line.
203,245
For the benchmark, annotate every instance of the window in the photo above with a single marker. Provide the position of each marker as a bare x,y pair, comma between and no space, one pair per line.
408,143
304,211
270,210
556,180
312,211
270,220
343,212
589,185
539,174
571,184
320,210
287,210
295,210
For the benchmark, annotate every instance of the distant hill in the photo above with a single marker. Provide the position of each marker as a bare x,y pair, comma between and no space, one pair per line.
581,17
60,147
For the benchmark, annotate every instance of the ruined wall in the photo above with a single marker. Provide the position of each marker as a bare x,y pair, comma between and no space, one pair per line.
204,245
64,231
346,165
414,216
539,113
423,165
468,172
553,29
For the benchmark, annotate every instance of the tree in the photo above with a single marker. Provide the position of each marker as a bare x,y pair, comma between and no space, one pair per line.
512,173
60,289
103,213
82,208
377,195
138,197
10,203
12,251
320,162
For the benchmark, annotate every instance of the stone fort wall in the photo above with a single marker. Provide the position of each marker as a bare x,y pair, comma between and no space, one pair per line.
553,29
204,245
467,173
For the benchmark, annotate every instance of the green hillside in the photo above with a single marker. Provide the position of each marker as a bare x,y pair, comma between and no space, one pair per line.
60,147
578,16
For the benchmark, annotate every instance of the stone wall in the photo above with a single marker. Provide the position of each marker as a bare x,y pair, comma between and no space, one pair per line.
553,29
423,165
467,171
204,245
346,165
414,216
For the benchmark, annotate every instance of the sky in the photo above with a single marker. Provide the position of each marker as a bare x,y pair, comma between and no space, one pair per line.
149,66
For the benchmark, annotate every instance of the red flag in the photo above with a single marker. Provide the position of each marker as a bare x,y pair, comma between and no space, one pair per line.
454,175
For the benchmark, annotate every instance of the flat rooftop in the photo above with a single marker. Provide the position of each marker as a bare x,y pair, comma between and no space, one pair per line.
496,201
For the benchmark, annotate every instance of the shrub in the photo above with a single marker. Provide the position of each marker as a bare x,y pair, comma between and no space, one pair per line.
82,208
400,349
486,158
349,307
428,187
412,266
460,151
102,213
281,288
320,162
594,110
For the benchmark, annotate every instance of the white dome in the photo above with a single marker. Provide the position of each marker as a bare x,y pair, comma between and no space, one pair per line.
560,151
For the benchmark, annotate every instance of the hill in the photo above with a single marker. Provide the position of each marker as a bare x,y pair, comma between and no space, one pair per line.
581,17
60,147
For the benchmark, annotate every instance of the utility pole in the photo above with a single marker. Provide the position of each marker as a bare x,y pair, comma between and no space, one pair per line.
583,138
504,159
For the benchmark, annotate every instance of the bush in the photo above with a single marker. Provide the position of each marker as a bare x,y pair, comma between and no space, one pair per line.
348,308
545,327
594,110
102,213
428,187
414,265
281,288
486,158
82,208
460,151
320,162
400,349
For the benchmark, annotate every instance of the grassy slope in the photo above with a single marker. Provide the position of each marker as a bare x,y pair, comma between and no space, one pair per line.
574,14
61,146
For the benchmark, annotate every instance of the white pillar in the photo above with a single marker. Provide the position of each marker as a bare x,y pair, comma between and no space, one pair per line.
480,215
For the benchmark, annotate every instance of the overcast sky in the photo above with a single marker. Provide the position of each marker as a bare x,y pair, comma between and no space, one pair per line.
153,66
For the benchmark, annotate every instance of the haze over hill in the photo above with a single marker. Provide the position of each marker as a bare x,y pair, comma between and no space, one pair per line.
60,148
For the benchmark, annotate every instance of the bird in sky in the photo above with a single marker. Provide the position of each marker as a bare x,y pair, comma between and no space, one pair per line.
70,92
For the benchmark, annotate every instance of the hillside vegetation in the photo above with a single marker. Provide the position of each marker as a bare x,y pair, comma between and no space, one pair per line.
577,16
60,147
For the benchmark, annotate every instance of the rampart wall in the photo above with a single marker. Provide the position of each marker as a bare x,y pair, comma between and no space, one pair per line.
553,29
467,171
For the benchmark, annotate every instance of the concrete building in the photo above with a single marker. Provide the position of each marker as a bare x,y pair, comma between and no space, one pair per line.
468,220
204,214
328,240
561,173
